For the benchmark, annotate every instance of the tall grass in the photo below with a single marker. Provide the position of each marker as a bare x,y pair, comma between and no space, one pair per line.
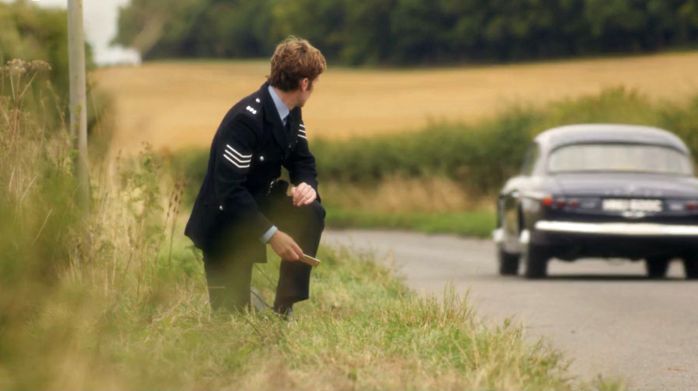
115,298
36,209
62,271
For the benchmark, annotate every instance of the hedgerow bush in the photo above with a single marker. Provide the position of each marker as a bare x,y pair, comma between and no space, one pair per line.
481,156
477,156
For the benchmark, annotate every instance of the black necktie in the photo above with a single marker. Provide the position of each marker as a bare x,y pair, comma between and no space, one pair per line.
288,127
289,136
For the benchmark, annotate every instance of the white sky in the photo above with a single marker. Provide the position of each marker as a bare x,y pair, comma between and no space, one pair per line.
100,27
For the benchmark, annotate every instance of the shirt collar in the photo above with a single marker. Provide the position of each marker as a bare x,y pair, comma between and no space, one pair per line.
280,105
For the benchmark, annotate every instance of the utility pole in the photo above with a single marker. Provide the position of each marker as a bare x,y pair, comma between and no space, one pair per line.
78,97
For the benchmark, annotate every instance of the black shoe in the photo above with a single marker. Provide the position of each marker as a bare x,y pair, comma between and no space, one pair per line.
285,311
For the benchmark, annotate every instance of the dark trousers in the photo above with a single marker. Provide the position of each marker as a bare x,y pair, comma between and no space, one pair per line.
229,271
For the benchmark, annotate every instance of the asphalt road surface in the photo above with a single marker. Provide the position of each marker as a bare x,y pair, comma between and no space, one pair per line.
605,316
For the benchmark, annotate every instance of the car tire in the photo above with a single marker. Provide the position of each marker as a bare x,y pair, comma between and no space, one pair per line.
656,267
508,263
536,262
690,267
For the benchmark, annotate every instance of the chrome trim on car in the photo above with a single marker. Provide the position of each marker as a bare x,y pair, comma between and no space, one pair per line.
620,229
525,237
498,235
535,195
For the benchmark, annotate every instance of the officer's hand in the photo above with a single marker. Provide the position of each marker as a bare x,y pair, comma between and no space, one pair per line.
285,247
303,194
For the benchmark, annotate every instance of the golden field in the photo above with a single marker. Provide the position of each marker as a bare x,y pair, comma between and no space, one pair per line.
175,104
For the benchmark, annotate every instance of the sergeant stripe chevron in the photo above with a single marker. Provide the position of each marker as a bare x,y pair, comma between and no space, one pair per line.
240,160
301,132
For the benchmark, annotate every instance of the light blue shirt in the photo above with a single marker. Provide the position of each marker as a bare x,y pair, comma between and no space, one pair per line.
266,237
280,105
283,112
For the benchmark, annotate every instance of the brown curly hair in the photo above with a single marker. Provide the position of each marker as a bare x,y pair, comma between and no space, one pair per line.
295,59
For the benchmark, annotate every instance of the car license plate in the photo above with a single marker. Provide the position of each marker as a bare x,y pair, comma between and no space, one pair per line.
633,205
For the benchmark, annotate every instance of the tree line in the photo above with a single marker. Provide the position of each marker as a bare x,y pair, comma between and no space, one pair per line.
407,32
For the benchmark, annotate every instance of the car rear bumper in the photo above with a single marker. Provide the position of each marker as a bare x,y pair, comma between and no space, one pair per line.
618,229
572,240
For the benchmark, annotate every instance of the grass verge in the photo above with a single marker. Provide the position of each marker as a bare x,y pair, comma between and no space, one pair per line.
471,223
362,329
113,298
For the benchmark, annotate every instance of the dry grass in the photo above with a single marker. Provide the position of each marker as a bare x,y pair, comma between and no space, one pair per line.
400,195
432,204
176,104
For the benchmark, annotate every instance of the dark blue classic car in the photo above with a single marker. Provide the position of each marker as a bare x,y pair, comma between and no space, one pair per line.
610,191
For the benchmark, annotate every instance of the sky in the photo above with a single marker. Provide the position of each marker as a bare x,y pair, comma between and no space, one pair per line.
100,27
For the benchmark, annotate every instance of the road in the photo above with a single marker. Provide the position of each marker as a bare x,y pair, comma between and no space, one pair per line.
605,316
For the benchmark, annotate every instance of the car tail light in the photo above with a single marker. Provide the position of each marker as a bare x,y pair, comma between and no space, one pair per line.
555,202
562,202
548,201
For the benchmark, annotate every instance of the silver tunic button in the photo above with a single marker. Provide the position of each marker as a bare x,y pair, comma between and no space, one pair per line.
220,207
261,158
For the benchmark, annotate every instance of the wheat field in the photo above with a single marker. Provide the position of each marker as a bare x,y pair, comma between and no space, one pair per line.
176,104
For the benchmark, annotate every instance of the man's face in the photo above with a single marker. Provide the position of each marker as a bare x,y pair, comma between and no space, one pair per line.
306,90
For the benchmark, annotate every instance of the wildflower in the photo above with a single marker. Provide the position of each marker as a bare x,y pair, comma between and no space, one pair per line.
40,66
16,67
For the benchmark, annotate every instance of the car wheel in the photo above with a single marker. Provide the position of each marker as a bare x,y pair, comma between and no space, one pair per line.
536,262
508,263
690,267
656,267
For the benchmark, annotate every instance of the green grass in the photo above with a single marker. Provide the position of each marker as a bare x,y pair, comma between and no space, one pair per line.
114,297
361,329
470,223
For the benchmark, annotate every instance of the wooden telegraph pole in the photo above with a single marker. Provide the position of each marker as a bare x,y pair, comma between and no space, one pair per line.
78,98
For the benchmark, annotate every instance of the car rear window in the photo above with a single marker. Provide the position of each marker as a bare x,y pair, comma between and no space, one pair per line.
619,157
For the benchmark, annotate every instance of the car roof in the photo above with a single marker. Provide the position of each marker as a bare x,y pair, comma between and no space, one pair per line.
608,133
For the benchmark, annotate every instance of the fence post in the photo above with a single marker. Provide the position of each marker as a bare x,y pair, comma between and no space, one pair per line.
78,98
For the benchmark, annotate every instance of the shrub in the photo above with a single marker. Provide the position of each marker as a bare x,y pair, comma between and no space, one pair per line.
482,156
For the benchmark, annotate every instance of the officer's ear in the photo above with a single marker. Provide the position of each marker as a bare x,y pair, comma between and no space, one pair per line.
305,84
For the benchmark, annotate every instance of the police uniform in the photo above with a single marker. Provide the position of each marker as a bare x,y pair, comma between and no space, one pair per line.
240,200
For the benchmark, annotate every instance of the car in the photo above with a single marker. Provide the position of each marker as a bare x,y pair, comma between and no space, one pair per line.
600,191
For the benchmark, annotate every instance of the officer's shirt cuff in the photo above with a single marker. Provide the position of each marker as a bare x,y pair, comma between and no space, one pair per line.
267,235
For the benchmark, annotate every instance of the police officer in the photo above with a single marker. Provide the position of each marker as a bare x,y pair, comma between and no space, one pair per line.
242,205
